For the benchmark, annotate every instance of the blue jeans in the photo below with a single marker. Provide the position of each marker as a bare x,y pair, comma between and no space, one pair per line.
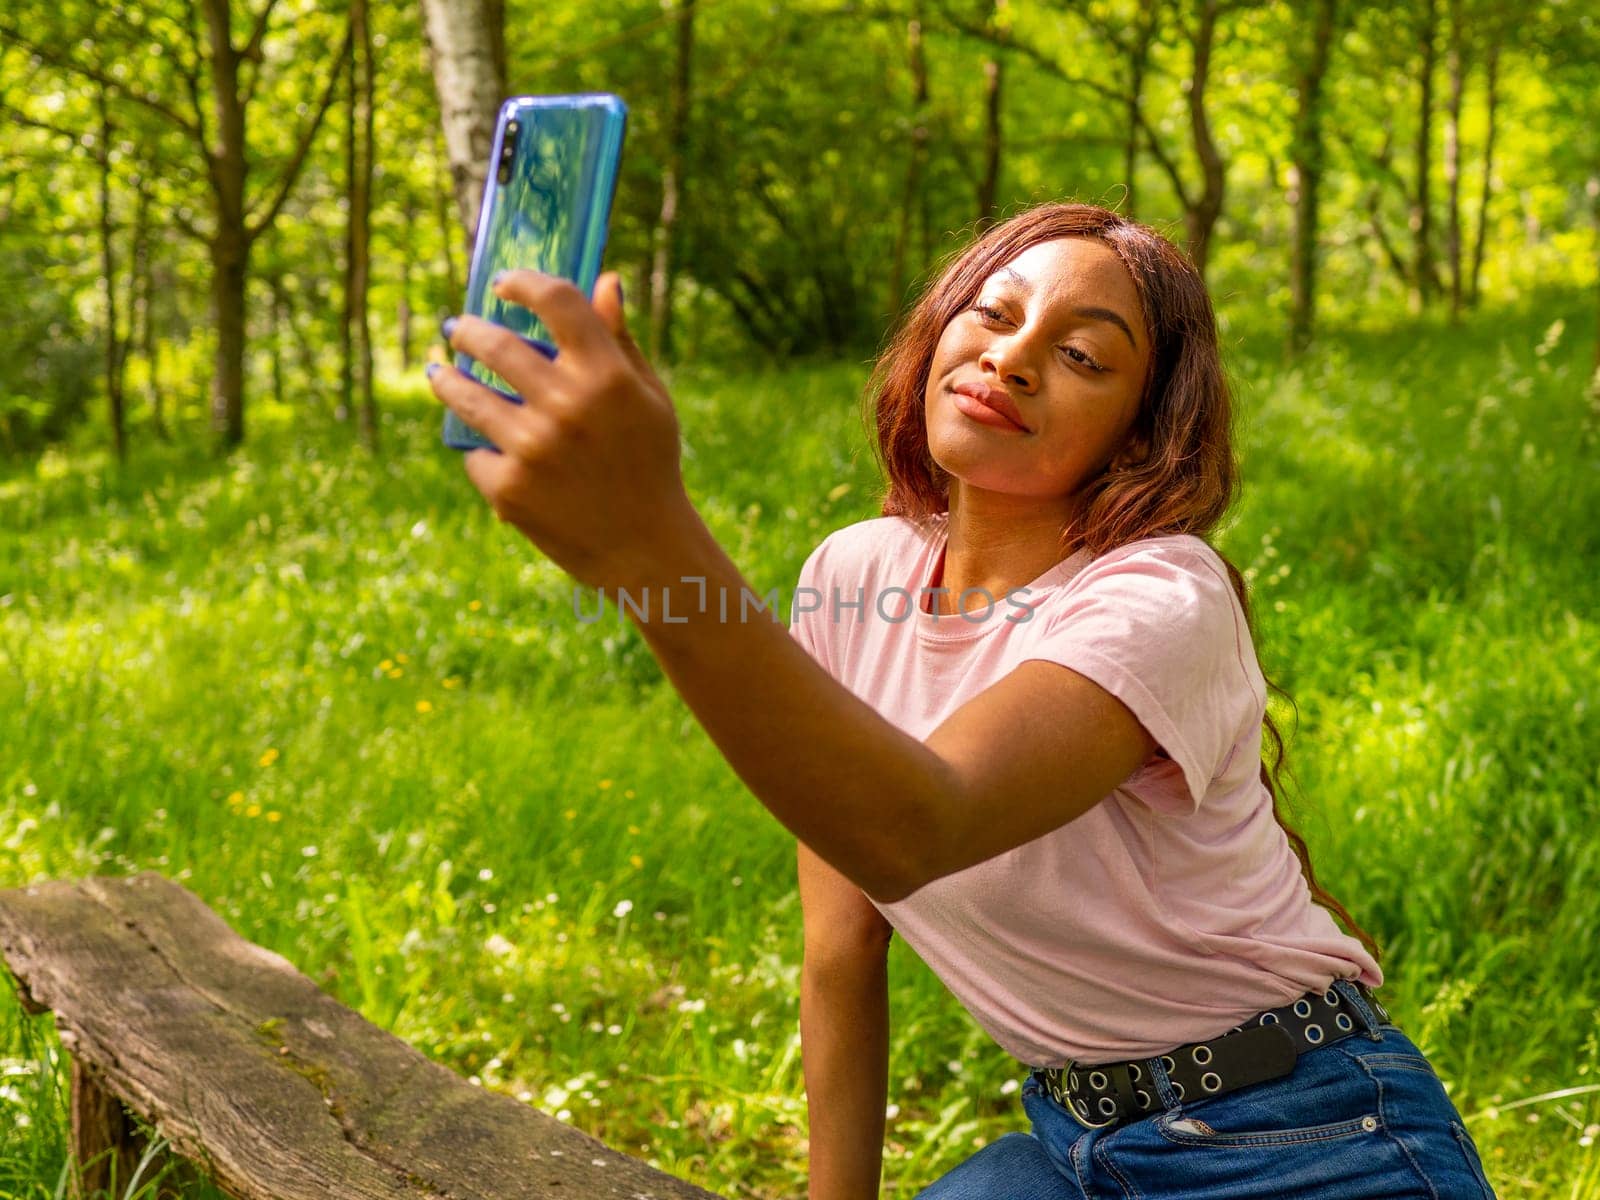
1362,1118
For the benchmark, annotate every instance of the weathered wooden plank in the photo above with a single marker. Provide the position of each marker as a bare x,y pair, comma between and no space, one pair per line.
279,1091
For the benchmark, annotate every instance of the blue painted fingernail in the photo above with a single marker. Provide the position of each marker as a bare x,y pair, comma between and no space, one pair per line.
431,368
447,327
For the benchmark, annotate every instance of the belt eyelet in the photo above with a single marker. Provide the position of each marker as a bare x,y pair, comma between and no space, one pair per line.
1082,1117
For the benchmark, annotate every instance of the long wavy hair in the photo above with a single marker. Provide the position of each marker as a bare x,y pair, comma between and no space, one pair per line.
1187,477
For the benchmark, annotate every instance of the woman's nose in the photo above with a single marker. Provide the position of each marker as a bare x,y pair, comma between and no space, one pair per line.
1009,360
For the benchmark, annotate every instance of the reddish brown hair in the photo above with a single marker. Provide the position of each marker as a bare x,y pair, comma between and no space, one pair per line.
1184,476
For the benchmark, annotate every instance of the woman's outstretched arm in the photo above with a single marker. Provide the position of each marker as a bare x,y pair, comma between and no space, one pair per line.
589,472
844,1031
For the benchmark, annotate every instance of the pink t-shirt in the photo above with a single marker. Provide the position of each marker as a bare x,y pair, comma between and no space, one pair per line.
1175,907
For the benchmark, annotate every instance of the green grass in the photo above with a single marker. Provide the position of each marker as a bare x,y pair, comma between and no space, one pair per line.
356,715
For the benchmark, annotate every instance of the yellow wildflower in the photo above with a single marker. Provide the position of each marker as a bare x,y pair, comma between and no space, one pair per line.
633,829
636,861
236,798
452,683
386,665
475,606
253,811
269,757
274,816
424,706
604,784
570,813
396,673
401,658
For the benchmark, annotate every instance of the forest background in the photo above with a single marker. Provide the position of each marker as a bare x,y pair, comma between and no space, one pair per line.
252,638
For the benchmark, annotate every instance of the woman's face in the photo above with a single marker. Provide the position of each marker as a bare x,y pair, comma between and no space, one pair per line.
1057,337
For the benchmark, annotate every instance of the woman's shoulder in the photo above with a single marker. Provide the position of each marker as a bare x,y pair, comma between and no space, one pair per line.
1178,574
1175,554
875,541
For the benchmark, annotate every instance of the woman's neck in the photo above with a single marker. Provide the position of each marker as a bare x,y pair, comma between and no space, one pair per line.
996,544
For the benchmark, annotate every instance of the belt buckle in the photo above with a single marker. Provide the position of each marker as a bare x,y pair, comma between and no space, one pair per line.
1065,1100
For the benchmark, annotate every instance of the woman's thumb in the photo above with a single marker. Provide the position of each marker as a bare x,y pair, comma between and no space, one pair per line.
608,304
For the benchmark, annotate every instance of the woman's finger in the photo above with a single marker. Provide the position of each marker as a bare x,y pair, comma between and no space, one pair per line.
557,302
494,475
608,305
530,373
507,425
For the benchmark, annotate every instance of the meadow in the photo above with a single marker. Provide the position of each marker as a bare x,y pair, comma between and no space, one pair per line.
358,716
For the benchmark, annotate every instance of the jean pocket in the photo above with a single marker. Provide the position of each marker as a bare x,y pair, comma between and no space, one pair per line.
1197,1131
1399,1060
1469,1151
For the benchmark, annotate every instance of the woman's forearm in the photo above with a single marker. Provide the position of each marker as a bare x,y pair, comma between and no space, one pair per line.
844,1039
838,775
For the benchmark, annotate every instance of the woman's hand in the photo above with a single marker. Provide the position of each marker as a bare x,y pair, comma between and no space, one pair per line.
588,467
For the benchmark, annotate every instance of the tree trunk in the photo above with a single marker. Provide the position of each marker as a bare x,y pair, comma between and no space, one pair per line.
230,267
911,196
1138,64
1424,282
114,401
470,81
495,11
450,235
1492,101
662,263
144,310
230,243
1201,218
234,234
1593,427
993,134
347,310
360,214
1308,161
284,303
403,310
280,348
1452,161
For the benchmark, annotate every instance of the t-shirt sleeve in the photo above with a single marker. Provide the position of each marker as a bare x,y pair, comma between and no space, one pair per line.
806,610
1159,628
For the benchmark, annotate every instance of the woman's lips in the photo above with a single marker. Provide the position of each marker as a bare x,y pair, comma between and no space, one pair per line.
989,405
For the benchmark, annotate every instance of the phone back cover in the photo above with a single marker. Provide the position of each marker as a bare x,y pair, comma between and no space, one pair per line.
550,215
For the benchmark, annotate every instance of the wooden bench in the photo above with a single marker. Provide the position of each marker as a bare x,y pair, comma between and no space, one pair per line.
246,1067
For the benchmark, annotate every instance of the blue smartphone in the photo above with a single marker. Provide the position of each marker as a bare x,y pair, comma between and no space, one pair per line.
546,205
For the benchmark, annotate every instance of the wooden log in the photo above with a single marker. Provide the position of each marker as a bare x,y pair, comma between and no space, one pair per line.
109,1148
106,1146
274,1088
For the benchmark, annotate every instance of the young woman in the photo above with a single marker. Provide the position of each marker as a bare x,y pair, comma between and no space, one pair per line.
1019,722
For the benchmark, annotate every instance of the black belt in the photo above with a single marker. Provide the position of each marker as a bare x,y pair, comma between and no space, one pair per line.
1260,1048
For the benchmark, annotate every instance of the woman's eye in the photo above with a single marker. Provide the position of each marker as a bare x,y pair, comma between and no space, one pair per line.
1078,355
988,312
